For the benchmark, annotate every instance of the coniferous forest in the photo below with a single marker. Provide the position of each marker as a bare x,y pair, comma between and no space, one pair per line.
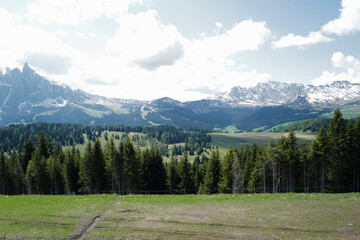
330,163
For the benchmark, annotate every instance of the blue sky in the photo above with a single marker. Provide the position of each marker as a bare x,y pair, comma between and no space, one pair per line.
183,49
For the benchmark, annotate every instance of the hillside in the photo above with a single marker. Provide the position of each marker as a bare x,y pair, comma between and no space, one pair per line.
26,97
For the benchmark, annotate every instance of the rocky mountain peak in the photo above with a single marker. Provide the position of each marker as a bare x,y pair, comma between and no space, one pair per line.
27,70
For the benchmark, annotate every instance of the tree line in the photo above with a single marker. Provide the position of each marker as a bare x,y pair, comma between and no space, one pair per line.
310,125
69,134
330,163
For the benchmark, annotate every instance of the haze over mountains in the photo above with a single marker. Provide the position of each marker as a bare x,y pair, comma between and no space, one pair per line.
27,97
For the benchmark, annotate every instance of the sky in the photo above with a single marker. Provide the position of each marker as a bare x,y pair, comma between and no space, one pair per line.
183,49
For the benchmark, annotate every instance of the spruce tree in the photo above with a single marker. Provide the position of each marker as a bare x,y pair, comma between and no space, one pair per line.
4,173
85,174
226,176
337,137
304,174
17,174
186,180
173,175
111,167
319,156
131,167
212,174
98,167
236,173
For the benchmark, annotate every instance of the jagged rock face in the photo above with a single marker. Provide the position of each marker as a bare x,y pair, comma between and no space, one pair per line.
26,97
276,94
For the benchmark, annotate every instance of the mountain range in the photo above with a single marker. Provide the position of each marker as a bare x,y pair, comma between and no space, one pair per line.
27,97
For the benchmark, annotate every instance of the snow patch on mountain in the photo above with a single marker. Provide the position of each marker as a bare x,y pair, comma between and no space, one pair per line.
277,93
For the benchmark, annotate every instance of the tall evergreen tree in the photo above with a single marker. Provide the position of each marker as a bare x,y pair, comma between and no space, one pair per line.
28,151
212,174
237,173
337,137
97,167
186,180
173,175
71,170
4,173
85,169
356,161
293,159
17,174
226,173
304,173
319,156
131,167
111,156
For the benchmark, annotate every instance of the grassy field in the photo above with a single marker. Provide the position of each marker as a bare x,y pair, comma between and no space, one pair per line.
240,139
48,216
259,216
350,111
222,140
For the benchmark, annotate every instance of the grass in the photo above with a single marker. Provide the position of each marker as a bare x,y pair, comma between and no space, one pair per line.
282,125
350,111
223,140
260,216
48,216
239,139
220,216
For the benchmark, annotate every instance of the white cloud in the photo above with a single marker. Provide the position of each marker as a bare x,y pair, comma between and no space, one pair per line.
145,59
202,66
142,35
292,40
165,57
84,35
25,42
344,68
347,22
72,12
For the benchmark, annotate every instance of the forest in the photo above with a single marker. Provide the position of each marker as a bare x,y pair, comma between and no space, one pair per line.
331,163
68,134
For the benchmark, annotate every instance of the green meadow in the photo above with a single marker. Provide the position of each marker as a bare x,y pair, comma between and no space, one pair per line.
219,216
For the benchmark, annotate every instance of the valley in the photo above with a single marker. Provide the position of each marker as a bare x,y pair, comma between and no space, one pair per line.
27,97
249,216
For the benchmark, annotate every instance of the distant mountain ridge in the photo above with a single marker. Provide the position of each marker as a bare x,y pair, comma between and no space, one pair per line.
27,97
278,93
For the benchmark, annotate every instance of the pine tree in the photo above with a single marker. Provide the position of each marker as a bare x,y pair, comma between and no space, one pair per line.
337,132
110,157
85,168
131,167
71,171
319,156
36,174
55,172
173,175
97,167
197,175
356,162
186,180
212,174
236,173
226,176
305,165
17,174
293,159
153,171
250,155
4,173
28,151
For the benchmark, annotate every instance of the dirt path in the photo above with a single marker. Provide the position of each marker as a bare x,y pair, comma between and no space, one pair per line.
85,230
